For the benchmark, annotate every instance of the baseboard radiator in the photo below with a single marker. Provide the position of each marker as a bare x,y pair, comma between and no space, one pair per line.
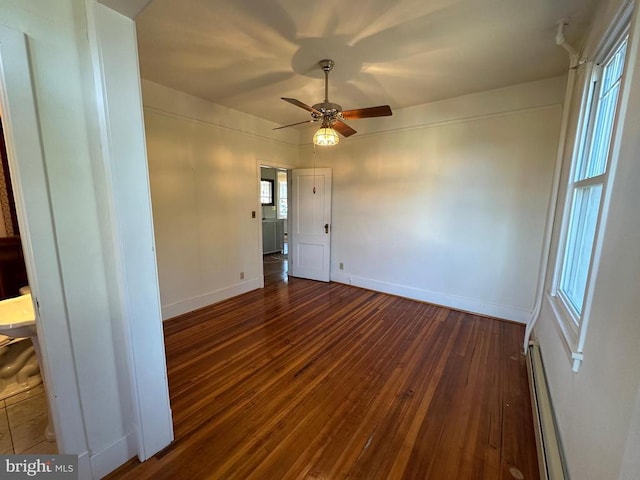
550,460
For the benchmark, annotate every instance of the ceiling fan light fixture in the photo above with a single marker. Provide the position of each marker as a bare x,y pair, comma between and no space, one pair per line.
326,136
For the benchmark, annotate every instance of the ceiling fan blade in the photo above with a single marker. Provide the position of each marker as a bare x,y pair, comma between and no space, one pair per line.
342,128
298,103
380,111
294,124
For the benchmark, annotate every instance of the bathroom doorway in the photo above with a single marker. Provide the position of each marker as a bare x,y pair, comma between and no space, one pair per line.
23,404
13,271
274,214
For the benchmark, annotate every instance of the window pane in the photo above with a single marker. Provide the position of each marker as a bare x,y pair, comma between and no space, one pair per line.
266,192
595,161
282,200
282,194
582,228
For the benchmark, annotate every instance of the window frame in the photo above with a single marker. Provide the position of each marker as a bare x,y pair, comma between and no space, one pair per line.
271,195
283,193
572,324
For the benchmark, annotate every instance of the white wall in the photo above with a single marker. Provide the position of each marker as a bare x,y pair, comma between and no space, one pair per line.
597,408
446,202
204,186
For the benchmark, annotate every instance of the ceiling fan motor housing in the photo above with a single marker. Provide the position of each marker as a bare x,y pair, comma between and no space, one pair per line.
328,110
326,64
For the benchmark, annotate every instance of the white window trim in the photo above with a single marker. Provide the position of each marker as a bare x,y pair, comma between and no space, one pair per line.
572,330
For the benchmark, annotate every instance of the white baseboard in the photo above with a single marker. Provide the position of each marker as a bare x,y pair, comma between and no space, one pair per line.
178,308
456,302
84,466
111,457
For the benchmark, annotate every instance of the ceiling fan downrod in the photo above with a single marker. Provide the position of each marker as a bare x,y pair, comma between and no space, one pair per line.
327,66
328,111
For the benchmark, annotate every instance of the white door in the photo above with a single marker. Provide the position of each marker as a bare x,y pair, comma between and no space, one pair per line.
310,248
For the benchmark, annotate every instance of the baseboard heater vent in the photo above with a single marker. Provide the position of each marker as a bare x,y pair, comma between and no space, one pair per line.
550,458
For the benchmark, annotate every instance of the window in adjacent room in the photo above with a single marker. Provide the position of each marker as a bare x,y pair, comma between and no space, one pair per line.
282,194
266,192
585,195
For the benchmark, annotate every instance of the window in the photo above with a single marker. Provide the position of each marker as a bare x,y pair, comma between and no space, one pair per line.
282,195
266,192
588,181
585,195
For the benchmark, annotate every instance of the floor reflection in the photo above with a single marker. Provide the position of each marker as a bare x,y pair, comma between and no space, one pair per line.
275,266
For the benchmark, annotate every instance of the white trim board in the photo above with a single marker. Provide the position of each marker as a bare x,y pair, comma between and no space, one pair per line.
466,304
367,135
204,300
116,453
116,65
218,125
167,101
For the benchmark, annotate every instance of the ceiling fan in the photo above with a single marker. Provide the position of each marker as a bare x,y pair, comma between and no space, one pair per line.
332,115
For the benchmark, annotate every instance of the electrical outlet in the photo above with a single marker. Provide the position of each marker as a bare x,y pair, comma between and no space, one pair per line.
241,275
341,266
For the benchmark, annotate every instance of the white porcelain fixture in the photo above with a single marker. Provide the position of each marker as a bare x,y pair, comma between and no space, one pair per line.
19,368
17,317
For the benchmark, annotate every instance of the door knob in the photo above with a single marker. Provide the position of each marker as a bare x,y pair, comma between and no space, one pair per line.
326,228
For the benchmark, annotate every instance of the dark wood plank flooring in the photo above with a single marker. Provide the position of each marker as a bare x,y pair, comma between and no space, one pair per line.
275,268
326,381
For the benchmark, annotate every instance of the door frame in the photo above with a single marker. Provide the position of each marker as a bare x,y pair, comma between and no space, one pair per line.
270,164
39,243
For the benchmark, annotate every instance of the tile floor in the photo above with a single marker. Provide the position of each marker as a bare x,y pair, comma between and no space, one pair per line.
23,419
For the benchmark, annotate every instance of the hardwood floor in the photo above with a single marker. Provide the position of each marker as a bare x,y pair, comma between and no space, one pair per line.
326,381
275,268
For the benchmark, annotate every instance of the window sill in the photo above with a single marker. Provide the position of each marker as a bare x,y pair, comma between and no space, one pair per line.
568,335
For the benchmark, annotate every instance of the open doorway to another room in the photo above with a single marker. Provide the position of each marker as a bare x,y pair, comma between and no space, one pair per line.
274,188
23,404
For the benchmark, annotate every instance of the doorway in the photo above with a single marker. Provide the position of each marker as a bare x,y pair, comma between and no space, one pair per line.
24,417
13,271
274,214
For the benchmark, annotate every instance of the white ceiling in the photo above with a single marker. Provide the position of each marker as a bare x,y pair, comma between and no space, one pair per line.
246,54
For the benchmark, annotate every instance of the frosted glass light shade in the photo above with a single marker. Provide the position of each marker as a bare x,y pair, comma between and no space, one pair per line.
326,136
